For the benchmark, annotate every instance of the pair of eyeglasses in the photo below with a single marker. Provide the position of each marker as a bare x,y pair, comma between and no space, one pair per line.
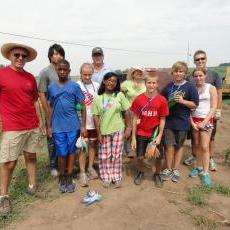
17,55
200,59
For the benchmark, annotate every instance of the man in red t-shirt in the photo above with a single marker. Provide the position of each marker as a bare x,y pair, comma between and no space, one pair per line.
150,110
19,115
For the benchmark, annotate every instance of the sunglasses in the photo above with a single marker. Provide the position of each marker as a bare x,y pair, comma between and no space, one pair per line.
200,59
17,55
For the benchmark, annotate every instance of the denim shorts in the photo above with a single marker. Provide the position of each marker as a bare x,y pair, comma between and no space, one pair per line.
174,138
65,142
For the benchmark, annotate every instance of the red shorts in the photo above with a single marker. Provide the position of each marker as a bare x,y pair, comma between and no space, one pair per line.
91,134
199,119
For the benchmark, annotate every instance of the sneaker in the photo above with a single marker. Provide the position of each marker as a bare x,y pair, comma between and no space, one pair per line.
158,180
212,165
166,174
54,172
175,175
117,184
92,174
70,186
62,183
195,172
189,160
139,178
206,180
83,180
91,197
5,205
106,184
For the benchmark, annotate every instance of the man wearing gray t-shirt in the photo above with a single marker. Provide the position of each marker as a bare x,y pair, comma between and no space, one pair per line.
46,77
200,60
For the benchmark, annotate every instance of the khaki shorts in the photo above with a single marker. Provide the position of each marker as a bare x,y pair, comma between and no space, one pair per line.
13,143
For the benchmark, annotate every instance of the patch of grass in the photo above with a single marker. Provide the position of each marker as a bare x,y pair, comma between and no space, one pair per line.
197,195
204,223
18,188
225,190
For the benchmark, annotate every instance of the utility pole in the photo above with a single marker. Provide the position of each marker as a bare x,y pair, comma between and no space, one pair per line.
188,54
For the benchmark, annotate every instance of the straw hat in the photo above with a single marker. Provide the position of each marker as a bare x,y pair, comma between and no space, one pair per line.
6,48
133,69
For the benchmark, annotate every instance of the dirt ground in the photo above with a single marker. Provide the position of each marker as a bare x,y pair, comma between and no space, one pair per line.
135,207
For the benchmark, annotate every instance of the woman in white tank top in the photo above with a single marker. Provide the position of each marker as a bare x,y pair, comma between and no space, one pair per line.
202,123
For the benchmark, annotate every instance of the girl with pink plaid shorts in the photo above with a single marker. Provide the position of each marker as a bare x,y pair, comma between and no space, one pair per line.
110,110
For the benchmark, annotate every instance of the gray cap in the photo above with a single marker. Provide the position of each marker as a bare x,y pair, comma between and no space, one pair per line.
97,50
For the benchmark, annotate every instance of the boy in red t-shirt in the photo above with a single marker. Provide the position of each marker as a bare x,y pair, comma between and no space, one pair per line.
150,110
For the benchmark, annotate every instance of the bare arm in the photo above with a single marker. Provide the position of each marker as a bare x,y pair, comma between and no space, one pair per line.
44,102
134,130
217,114
193,124
219,98
213,104
83,117
128,127
39,115
161,130
49,116
97,126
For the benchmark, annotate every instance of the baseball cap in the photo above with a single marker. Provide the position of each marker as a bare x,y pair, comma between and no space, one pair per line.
97,50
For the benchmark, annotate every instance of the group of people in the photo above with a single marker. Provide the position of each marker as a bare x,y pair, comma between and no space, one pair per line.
107,116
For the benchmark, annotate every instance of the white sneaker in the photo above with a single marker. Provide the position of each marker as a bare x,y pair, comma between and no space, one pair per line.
212,165
54,172
189,160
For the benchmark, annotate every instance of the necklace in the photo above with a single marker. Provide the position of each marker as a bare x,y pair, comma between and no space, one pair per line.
173,92
106,103
86,87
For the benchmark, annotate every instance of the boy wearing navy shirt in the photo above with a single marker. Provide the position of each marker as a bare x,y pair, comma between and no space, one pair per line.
182,97
64,124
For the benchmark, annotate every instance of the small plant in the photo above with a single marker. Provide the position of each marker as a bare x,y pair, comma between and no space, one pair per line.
204,223
225,190
196,196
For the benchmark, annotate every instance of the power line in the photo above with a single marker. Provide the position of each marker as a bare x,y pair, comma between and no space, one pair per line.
88,45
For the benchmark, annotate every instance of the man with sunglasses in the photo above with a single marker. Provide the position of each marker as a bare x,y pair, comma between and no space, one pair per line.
200,60
19,113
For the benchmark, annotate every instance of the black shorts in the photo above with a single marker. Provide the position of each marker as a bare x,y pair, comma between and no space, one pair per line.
142,143
174,138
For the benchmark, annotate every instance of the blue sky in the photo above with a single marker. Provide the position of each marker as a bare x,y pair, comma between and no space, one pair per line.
161,29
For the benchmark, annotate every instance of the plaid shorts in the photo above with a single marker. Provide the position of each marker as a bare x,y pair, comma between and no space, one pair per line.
110,156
